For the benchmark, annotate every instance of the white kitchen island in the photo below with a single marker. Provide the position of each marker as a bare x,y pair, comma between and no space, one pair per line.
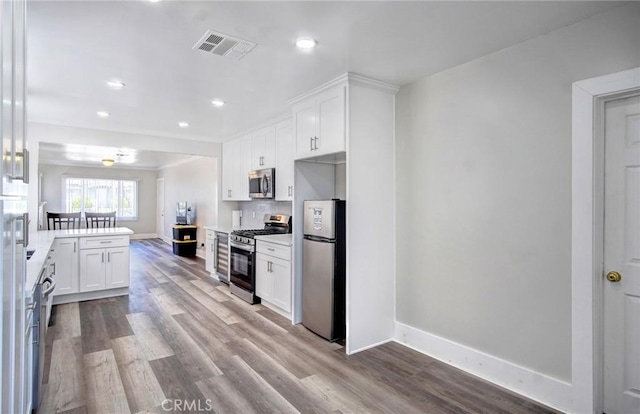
85,263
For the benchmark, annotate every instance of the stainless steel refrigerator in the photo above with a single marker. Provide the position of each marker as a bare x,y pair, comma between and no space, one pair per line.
323,268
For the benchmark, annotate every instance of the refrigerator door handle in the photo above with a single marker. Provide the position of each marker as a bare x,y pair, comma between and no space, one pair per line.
319,239
25,229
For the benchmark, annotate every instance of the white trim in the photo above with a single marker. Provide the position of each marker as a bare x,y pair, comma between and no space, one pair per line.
531,384
255,127
355,79
89,164
95,294
586,223
364,348
140,236
276,309
346,78
167,240
184,161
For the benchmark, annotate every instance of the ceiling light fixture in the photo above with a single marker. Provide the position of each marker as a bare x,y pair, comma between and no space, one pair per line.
183,124
103,114
107,162
306,43
117,85
217,102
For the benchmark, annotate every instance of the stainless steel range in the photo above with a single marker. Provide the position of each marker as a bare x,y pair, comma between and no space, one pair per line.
243,255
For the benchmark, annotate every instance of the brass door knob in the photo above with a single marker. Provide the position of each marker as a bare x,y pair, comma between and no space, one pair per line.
614,276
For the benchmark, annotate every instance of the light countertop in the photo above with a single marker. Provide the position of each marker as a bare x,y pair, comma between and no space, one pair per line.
219,229
41,241
282,239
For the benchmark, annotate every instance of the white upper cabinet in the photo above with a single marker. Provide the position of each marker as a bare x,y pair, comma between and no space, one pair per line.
229,150
320,123
284,161
236,164
263,148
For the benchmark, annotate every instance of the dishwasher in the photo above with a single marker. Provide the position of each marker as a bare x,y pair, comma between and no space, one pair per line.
41,310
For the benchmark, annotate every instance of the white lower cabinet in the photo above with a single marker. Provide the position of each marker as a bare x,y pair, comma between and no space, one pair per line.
104,268
117,267
273,274
210,252
64,255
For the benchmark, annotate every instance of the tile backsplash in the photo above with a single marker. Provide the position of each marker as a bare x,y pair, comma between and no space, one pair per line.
260,208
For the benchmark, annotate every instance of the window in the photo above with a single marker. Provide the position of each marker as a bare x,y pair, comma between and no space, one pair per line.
101,196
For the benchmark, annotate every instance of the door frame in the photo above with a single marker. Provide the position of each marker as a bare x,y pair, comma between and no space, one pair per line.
587,233
160,231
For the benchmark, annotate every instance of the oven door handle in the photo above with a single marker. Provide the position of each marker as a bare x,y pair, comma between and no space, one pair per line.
241,246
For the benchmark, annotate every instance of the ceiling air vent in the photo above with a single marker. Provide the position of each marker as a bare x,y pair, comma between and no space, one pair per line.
224,45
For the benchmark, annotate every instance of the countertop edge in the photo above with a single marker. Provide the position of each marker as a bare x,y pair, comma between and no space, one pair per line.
281,239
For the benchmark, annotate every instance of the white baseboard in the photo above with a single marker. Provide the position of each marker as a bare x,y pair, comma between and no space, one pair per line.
166,239
276,309
139,236
96,294
364,348
539,387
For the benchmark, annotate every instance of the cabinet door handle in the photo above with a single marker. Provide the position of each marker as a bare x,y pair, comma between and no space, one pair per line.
290,192
311,143
74,247
54,268
25,229
269,267
315,143
102,257
108,256
25,166
228,193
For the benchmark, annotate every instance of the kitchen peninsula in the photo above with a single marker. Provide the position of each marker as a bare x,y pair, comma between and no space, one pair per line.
85,263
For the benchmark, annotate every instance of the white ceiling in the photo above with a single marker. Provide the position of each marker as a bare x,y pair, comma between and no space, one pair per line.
75,47
92,156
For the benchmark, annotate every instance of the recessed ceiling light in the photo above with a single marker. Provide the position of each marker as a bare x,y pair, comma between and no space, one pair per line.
183,124
217,102
117,85
306,43
103,114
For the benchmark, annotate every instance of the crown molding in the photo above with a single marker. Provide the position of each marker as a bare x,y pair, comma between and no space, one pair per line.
348,79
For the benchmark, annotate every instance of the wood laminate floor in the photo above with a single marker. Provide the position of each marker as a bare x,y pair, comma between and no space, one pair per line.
181,343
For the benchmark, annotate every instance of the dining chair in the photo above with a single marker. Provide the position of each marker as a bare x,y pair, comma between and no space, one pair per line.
63,221
95,220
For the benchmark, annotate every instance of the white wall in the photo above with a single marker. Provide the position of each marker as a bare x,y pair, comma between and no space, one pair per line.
484,192
52,191
196,182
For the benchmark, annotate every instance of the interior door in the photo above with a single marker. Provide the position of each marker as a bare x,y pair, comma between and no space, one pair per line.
160,207
622,257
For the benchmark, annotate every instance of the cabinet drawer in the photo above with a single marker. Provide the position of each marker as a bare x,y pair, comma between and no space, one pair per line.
275,250
102,242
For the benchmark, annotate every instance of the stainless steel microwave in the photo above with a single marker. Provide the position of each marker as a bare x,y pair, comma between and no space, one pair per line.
262,183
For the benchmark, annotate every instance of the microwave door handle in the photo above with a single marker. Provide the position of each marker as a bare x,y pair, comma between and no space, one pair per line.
265,185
